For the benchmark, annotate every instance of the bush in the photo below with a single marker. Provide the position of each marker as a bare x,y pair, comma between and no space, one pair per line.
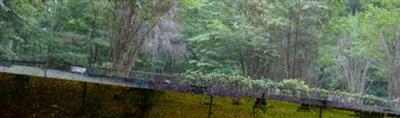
287,87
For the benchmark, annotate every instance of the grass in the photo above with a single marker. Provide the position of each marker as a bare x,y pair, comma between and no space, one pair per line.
181,105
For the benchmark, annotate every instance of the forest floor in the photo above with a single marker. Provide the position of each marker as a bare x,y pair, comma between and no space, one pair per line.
41,97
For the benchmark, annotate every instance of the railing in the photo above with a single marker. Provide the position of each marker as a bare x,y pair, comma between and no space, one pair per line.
227,88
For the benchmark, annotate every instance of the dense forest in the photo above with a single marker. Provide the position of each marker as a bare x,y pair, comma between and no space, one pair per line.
335,45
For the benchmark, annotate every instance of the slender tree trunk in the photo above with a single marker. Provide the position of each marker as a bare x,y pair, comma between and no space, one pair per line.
392,63
353,69
132,26
394,86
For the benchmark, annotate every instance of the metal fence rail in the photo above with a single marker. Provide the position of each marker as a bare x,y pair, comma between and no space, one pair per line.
218,87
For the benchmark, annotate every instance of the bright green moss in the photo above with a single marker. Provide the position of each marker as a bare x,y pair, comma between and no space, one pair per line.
181,105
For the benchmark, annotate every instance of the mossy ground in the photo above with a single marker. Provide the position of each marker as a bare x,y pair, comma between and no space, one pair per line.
42,97
181,105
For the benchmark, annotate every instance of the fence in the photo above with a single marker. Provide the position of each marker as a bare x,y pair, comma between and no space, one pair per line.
199,85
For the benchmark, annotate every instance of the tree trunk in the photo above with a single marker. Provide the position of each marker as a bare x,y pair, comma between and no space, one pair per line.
394,85
392,63
132,26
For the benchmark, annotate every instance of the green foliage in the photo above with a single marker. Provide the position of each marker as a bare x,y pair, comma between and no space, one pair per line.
295,84
190,3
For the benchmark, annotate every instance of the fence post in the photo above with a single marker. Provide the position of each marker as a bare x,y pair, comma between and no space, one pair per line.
324,104
210,106
320,112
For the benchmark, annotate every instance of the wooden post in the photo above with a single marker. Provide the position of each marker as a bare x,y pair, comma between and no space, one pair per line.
320,112
324,103
210,107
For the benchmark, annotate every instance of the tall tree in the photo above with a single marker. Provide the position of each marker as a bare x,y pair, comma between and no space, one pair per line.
300,32
392,62
378,28
134,21
354,68
18,23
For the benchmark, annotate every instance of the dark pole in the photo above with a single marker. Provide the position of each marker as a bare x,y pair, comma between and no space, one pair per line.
84,97
210,106
320,112
324,102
